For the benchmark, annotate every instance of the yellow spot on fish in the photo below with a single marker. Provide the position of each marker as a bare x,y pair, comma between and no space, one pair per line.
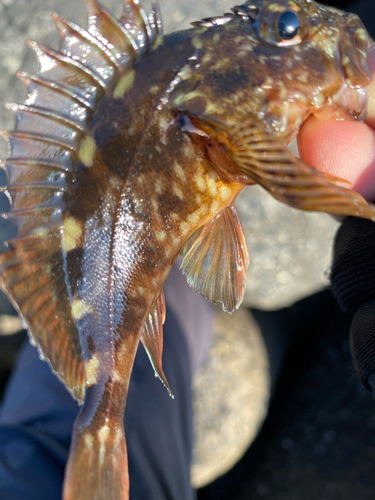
187,97
225,192
141,179
92,370
318,100
40,231
177,191
207,58
122,351
302,78
212,107
212,187
180,172
89,440
184,227
72,234
155,206
215,207
202,211
87,150
116,377
361,34
154,89
197,42
216,37
115,182
124,84
193,218
185,72
199,181
159,186
80,308
103,434
158,41
118,436
160,235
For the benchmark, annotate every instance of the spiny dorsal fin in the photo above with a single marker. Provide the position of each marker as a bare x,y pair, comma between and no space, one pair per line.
50,127
152,338
216,263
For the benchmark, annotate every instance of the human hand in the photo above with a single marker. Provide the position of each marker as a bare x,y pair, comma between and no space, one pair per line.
347,150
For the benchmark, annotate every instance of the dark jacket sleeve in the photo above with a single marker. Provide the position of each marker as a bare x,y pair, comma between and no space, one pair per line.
353,285
37,415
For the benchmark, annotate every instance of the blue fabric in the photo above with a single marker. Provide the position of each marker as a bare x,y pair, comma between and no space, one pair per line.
37,415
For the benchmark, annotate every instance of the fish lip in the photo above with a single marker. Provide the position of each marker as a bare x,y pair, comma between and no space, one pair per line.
347,103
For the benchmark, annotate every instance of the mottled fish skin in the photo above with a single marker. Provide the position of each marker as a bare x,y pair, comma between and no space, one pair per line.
131,144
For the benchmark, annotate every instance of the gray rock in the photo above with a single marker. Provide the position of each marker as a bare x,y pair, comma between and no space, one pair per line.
230,396
289,250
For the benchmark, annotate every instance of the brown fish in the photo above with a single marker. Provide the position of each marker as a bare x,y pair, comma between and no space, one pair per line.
131,145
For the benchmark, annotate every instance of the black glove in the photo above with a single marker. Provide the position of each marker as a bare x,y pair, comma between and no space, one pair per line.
353,285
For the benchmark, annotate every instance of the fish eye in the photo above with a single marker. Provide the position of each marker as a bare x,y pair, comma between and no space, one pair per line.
282,24
288,25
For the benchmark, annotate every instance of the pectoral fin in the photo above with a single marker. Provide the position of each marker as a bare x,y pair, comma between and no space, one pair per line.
288,179
248,154
216,263
152,338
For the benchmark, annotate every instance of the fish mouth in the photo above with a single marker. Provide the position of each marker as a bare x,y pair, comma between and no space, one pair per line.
350,100
347,104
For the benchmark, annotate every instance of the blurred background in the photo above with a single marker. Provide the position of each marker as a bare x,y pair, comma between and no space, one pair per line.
318,440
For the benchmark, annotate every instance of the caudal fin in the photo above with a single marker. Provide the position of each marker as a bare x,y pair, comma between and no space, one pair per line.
97,468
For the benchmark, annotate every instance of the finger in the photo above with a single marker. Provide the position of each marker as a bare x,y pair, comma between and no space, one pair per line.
343,149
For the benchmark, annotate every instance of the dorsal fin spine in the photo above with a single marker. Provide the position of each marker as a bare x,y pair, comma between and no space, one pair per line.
8,134
36,185
27,78
43,162
47,113
155,15
64,25
40,51
96,10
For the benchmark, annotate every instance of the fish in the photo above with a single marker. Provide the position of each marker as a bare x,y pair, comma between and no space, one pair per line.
131,148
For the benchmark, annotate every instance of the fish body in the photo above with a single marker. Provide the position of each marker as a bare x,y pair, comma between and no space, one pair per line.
132,145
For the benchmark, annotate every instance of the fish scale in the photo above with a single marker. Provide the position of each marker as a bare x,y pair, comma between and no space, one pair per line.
132,145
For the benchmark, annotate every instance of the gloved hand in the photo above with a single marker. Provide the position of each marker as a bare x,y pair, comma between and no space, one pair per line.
353,285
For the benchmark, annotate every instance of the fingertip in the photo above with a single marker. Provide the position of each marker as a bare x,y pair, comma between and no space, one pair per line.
345,149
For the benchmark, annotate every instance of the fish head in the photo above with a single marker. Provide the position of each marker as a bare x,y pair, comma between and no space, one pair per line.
280,61
323,54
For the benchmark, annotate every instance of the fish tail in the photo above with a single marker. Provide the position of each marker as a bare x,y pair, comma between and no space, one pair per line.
97,468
